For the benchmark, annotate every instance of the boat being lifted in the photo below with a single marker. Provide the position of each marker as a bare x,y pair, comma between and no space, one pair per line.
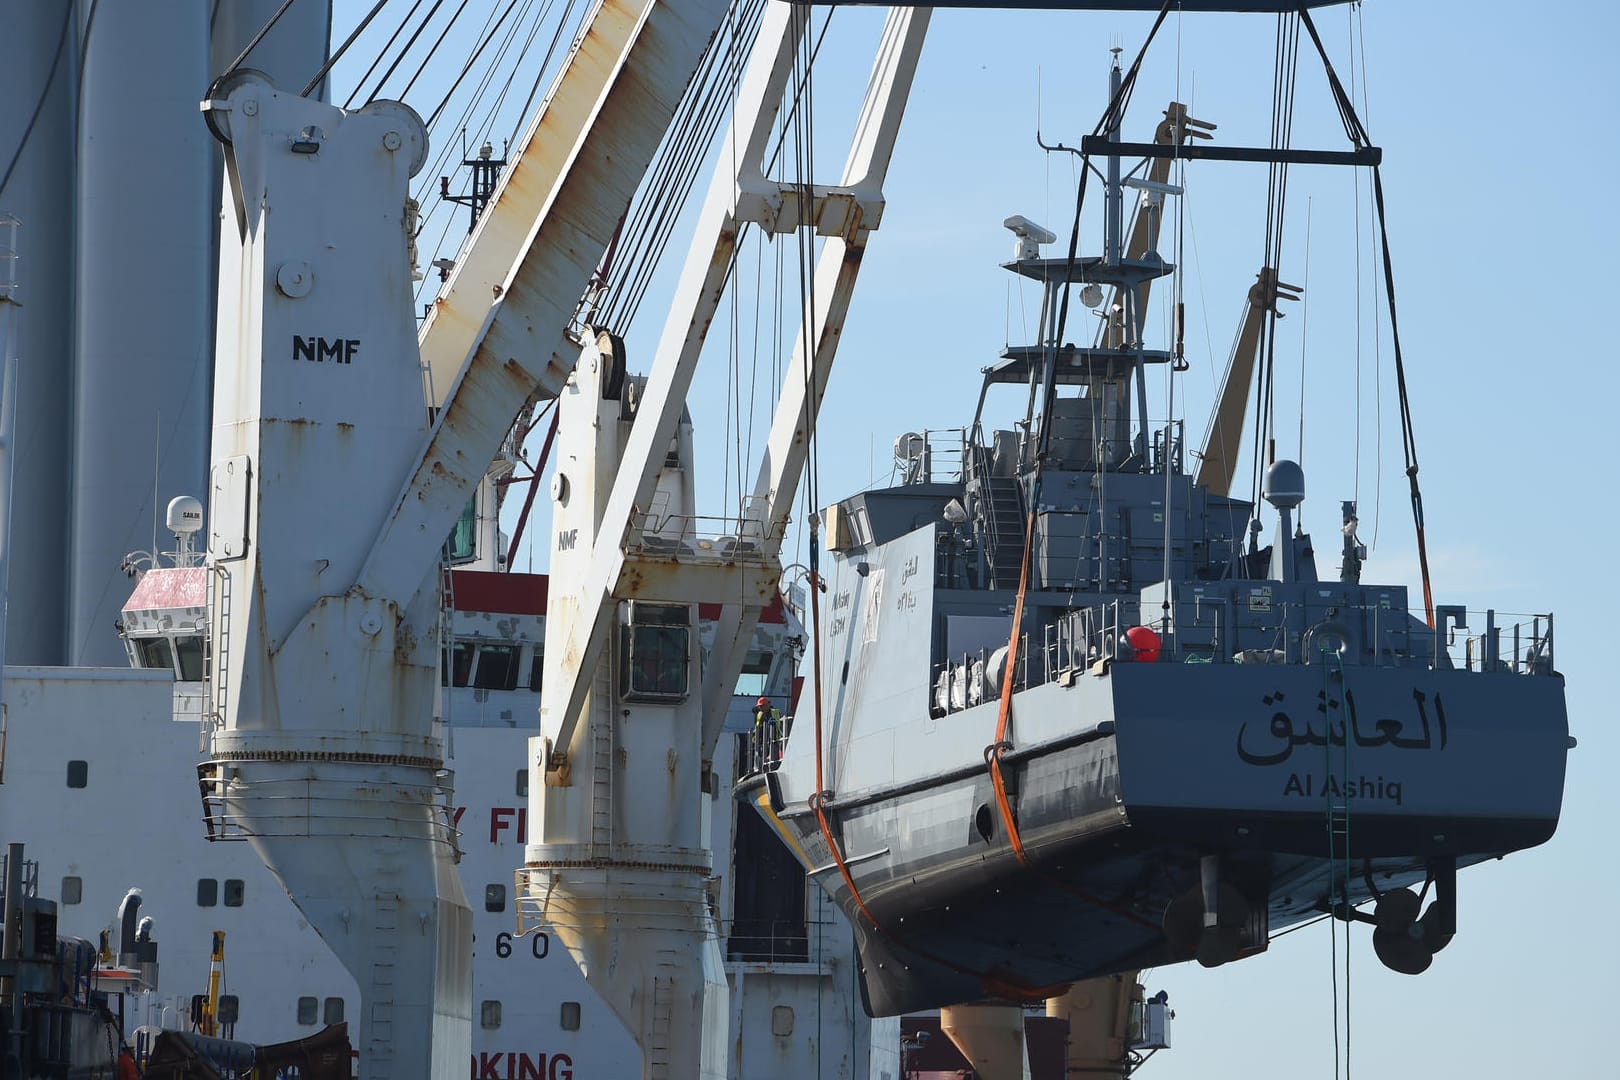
1075,720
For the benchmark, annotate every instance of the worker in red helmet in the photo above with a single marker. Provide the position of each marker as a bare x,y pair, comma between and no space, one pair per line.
767,727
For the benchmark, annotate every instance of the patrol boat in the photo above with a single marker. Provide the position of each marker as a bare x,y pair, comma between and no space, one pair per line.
1072,719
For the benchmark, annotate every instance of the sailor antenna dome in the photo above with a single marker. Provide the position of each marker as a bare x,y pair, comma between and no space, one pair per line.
1284,485
184,518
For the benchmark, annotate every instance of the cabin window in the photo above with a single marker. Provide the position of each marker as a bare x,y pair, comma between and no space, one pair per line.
653,652
456,664
234,888
78,774
756,670
523,783
72,890
860,527
569,1020
495,897
462,543
188,654
489,1015
155,653
497,667
207,892
332,1013
308,1010
537,662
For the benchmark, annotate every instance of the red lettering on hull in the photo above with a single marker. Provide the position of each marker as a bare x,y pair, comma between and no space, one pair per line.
519,1066
501,818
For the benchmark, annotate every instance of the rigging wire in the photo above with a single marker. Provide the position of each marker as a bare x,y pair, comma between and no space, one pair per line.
254,42
404,52
1304,327
44,90
434,48
545,65
331,61
360,83
1285,70
485,37
1358,135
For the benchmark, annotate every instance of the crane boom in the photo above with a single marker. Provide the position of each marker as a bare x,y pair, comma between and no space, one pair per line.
615,99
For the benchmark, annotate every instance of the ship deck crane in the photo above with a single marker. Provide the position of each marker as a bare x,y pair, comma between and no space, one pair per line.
331,493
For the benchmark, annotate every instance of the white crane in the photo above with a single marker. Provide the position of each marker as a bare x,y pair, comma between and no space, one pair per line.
331,495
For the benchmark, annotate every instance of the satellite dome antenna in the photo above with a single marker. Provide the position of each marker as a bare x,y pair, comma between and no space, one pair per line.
184,518
1284,488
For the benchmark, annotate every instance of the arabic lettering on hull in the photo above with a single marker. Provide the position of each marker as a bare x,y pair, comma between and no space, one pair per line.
1340,724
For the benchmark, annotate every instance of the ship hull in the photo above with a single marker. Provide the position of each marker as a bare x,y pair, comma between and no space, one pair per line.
1133,777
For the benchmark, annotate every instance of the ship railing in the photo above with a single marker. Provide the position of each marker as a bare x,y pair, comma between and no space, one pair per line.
305,806
931,456
975,677
1288,632
764,748
1169,447
1522,644
766,941
743,539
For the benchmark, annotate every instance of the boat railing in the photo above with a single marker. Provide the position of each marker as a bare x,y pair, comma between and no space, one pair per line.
931,456
1523,644
315,806
745,538
766,941
1169,448
975,677
1286,632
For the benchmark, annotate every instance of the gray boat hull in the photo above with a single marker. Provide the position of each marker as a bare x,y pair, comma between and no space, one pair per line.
1122,782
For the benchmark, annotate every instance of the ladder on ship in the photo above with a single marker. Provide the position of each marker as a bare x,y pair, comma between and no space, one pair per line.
1004,507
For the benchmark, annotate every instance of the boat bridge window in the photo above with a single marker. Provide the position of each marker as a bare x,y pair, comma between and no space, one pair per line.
456,664
154,652
78,774
756,671
188,654
462,543
490,665
497,667
653,652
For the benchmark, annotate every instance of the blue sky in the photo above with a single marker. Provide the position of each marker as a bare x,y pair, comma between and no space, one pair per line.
1499,163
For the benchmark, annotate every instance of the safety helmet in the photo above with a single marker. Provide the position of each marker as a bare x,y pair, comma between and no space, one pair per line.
763,703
